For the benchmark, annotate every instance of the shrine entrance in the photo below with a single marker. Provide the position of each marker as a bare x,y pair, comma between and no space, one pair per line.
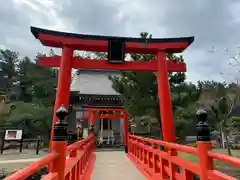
93,89
105,132
107,127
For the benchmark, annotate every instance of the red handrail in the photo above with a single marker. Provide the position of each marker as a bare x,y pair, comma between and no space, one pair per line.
228,159
144,152
163,164
80,158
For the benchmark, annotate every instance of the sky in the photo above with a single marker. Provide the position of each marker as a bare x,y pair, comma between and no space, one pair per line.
215,24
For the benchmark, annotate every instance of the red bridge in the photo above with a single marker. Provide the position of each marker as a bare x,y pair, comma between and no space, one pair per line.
144,158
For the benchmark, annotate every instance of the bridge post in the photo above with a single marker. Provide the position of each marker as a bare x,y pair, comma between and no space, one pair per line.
64,81
59,144
204,144
164,97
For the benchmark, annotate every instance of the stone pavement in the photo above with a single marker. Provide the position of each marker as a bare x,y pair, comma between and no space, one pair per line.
114,165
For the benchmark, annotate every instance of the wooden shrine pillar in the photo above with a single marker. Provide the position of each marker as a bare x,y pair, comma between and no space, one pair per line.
164,97
64,81
125,126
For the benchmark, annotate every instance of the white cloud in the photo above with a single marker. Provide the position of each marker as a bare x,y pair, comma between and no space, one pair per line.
2,47
213,23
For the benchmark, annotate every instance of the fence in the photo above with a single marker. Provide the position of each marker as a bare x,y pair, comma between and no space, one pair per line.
78,161
157,164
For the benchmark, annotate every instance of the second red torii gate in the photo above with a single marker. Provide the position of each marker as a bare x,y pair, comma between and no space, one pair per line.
122,115
70,42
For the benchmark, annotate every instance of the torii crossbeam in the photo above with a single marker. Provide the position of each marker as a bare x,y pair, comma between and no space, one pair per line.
116,48
78,62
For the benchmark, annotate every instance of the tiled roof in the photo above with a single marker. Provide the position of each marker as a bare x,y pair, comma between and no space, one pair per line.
36,31
93,82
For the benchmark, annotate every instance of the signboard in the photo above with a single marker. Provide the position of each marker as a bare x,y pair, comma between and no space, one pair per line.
13,134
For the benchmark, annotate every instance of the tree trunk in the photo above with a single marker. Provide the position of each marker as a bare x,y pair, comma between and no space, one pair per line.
226,138
221,135
228,148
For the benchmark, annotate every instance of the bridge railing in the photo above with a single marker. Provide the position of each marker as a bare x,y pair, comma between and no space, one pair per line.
163,164
79,158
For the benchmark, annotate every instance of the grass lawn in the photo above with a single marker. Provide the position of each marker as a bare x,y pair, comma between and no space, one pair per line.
219,165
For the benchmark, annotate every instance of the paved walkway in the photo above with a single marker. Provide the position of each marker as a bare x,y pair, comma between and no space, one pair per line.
115,165
12,160
19,161
26,154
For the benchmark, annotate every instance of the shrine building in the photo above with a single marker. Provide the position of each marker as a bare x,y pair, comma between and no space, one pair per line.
93,88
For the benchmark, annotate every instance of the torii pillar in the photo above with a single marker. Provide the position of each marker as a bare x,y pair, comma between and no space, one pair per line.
164,96
64,82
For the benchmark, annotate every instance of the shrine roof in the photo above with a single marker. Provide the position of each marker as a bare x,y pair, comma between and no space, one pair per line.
99,43
93,82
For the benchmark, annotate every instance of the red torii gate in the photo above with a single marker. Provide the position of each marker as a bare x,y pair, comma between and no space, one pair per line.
70,41
123,115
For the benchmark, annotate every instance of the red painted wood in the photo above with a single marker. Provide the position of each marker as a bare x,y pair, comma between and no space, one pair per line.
64,81
104,116
165,102
165,164
205,161
143,152
102,45
92,117
78,62
60,148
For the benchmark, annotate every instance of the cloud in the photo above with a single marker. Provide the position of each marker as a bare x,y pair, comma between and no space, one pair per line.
213,23
94,17
16,18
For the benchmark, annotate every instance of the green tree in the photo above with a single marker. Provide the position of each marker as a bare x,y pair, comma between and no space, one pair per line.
184,100
38,83
9,60
26,69
220,99
34,111
211,93
34,120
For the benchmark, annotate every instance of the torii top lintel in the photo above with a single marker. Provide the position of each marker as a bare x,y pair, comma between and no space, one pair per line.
100,43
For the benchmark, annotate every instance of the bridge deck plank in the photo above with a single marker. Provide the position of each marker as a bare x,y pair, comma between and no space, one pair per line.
114,165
